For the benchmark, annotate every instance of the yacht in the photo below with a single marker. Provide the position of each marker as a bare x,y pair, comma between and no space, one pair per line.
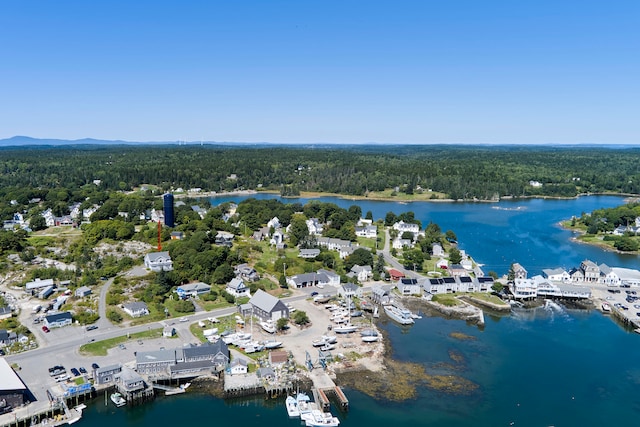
400,315
347,328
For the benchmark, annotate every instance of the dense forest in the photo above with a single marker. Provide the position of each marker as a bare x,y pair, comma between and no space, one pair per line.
459,172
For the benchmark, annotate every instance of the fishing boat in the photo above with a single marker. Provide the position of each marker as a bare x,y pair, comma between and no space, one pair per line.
117,399
298,405
400,315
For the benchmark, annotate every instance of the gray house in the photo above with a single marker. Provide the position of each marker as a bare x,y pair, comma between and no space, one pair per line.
265,307
107,374
158,261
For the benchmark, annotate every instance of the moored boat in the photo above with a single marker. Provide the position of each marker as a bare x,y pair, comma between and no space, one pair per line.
317,418
117,399
400,315
606,307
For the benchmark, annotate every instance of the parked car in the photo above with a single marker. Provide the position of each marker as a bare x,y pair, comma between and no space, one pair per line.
44,328
314,293
75,372
82,370
95,366
91,327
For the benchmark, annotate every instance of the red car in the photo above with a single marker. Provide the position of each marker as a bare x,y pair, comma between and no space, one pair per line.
44,328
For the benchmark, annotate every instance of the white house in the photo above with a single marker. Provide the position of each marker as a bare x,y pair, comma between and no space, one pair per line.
350,290
628,277
158,261
608,276
237,288
556,275
403,226
524,288
274,222
277,238
238,366
135,309
369,231
437,250
400,243
314,226
362,273
58,320
407,286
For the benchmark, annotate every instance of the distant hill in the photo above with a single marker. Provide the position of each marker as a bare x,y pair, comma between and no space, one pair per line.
22,141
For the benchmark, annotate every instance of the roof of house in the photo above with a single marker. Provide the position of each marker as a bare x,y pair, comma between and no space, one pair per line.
239,361
264,301
553,271
396,273
58,316
358,268
5,310
350,287
135,306
156,356
236,284
83,289
278,356
206,350
9,380
156,256
198,286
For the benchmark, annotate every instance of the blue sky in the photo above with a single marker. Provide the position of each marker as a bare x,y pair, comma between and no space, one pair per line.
446,71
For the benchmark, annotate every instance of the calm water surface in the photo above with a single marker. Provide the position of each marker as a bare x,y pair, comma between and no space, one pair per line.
541,367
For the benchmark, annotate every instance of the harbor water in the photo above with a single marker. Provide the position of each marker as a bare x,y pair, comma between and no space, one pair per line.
540,367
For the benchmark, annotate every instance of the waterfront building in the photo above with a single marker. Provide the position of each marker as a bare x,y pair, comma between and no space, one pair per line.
523,289
169,219
556,275
106,374
238,366
519,271
409,286
608,276
13,392
628,277
590,271
350,290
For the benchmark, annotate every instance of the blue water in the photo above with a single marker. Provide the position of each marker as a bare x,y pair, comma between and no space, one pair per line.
498,234
534,367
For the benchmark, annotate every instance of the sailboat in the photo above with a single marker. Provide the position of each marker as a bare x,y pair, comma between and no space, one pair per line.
347,327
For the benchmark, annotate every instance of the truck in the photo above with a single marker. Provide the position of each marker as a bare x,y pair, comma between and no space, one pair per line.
36,309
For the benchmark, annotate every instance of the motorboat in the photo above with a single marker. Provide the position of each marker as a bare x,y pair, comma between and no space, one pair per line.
606,307
325,339
327,347
292,407
317,418
400,315
268,326
298,405
117,399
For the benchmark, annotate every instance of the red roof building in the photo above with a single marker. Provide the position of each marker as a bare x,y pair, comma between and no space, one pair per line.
395,274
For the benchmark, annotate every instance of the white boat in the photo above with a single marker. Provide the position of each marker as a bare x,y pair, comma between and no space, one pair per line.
268,326
325,339
292,407
270,345
369,335
400,315
375,312
347,328
326,347
317,418
117,399
606,307
298,405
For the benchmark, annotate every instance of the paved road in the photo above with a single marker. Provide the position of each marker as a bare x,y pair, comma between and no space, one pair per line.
394,262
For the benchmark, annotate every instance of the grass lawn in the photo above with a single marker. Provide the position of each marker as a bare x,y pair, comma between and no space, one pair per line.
100,348
448,300
487,297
